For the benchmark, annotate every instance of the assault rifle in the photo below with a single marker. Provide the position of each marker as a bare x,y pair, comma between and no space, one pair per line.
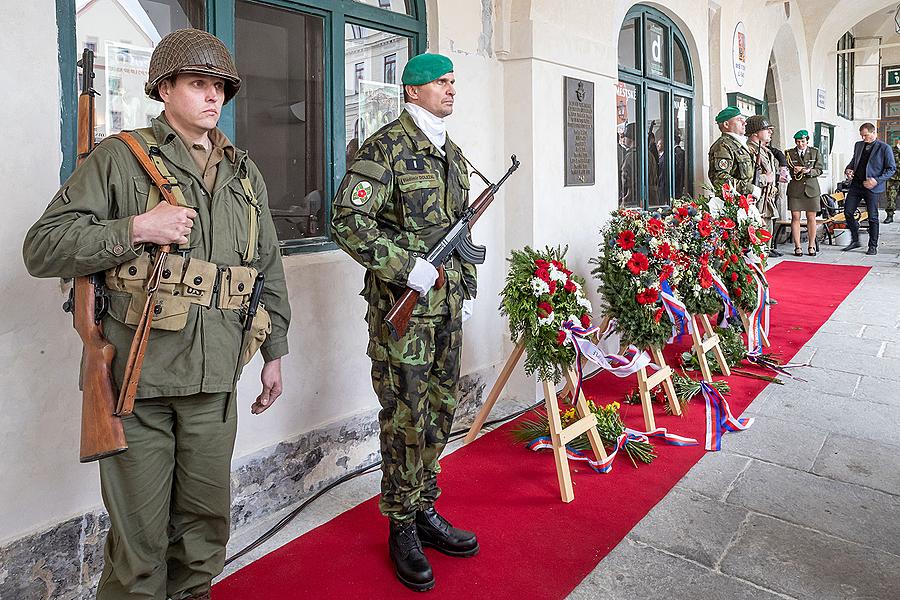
457,239
102,433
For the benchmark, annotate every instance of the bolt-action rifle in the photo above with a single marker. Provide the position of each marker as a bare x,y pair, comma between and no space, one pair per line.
457,239
102,433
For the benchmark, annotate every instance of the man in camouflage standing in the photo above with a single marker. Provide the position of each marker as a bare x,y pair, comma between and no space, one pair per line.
765,168
168,496
730,161
893,185
406,187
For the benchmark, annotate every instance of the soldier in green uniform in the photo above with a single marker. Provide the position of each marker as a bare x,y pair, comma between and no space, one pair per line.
765,169
729,159
168,495
893,185
406,187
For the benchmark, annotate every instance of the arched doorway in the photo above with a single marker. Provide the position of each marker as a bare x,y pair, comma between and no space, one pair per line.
654,102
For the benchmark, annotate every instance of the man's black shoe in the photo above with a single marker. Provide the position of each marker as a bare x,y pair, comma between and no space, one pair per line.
435,532
872,251
773,253
852,246
889,219
410,564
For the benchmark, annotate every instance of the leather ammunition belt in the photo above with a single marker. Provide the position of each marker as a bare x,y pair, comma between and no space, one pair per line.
184,281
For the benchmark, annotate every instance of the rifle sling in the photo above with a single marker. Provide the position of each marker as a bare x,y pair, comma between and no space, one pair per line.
138,349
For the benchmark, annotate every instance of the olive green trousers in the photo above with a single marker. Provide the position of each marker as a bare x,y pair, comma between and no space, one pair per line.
169,499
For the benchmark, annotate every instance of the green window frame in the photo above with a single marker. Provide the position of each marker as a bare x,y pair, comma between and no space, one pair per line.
743,101
220,21
823,138
846,64
646,78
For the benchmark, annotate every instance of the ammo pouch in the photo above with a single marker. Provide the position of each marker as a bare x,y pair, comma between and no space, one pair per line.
184,281
259,331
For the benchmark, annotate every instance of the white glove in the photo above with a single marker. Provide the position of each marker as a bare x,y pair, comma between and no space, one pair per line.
757,192
467,307
422,276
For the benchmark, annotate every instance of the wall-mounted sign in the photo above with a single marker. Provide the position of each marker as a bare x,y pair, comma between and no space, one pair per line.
739,53
890,78
820,98
579,131
656,56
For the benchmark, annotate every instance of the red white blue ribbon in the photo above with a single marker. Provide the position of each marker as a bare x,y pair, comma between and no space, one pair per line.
620,365
677,311
727,305
759,318
719,418
605,466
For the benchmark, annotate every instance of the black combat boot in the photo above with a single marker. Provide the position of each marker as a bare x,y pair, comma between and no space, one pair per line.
410,564
436,532
889,218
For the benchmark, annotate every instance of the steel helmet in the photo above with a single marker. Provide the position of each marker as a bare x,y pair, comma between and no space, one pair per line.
191,51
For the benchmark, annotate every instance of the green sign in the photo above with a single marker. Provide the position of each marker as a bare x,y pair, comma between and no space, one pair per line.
892,77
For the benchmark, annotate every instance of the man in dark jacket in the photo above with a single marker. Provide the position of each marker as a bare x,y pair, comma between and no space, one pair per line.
872,165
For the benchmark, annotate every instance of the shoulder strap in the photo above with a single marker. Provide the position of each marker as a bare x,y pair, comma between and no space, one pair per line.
253,219
153,198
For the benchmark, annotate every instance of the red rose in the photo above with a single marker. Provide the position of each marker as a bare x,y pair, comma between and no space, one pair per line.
638,263
734,276
626,240
738,292
552,285
748,277
543,274
557,264
570,286
542,264
733,258
544,310
648,296
725,235
655,227
560,337
585,320
658,314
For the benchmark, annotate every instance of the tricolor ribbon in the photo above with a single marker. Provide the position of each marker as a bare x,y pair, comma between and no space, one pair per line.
759,318
719,418
605,466
728,309
677,311
620,365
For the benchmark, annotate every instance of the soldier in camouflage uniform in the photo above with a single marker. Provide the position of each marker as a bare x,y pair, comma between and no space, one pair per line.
893,185
729,159
406,187
168,496
765,166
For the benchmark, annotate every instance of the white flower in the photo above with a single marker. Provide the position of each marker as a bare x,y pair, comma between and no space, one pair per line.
585,304
696,288
548,320
539,287
557,275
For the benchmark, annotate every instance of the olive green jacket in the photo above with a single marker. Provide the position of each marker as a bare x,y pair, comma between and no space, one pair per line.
729,161
808,185
87,229
896,176
398,198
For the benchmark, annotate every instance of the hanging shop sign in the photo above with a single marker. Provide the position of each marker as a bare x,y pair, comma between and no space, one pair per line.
739,53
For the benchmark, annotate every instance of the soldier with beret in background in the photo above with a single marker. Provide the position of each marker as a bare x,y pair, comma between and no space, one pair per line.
406,187
730,161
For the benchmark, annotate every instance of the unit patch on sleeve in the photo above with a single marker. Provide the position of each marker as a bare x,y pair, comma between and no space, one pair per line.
723,163
361,193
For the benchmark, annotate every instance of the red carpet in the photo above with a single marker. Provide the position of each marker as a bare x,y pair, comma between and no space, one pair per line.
532,545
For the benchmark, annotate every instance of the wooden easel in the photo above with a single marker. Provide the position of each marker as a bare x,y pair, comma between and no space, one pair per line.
559,435
702,346
745,319
648,382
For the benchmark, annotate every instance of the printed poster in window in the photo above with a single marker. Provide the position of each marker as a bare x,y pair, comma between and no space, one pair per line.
127,69
622,94
379,104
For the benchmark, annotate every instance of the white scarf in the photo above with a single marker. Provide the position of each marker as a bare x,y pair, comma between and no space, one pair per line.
740,138
432,126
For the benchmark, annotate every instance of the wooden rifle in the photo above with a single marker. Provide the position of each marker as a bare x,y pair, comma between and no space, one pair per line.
102,432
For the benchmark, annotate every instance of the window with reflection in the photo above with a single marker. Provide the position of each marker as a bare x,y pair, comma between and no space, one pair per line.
654,102
400,6
123,36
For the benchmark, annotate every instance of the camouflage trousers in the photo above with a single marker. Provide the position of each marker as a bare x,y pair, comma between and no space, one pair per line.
893,187
415,379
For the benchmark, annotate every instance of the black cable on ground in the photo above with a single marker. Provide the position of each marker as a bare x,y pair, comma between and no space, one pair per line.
454,435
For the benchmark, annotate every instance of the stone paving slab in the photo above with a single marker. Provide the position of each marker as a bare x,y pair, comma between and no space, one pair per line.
774,440
634,571
842,345
886,368
715,475
690,525
806,564
848,511
860,461
878,391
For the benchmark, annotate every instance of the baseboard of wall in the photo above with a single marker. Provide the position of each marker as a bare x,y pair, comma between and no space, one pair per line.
64,561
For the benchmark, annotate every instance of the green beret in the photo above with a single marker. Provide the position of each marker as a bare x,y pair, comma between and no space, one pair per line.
729,112
801,134
425,68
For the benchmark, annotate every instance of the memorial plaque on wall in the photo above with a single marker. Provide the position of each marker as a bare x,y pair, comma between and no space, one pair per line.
579,119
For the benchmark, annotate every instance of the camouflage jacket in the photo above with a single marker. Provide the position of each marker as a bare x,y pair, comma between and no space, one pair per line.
896,176
87,229
398,198
729,161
